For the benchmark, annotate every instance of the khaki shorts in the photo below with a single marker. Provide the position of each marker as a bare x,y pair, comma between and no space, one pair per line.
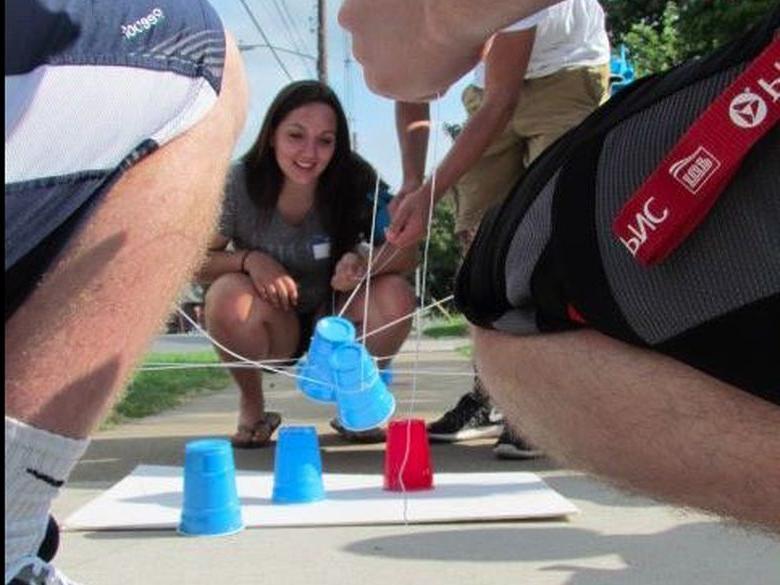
549,106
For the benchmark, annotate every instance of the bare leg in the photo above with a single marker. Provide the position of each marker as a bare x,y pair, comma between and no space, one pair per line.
391,298
640,419
73,343
241,321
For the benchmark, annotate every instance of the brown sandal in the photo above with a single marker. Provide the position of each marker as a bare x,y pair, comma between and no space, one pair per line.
257,435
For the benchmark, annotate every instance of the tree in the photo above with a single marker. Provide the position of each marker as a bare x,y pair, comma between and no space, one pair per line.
443,252
661,33
656,47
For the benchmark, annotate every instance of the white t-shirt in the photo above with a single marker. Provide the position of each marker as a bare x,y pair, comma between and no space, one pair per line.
569,34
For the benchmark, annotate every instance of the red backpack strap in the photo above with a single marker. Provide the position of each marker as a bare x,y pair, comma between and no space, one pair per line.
677,196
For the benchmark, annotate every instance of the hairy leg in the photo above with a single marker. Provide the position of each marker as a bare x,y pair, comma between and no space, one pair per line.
390,298
241,321
641,419
73,343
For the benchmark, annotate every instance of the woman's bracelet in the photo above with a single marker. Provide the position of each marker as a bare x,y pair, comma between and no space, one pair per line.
243,260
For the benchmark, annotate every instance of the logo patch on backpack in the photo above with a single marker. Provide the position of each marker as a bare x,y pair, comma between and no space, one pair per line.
693,171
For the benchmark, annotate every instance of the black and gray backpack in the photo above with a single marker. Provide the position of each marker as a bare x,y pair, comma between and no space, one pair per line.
546,260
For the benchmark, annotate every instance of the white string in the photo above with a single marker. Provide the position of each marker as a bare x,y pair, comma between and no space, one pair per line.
158,367
248,363
258,364
197,365
370,256
404,462
415,313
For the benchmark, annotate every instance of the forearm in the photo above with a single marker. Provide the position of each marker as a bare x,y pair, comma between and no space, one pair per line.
412,122
219,262
389,260
478,133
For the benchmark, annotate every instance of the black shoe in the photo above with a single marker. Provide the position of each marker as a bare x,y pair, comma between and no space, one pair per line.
368,436
470,419
510,446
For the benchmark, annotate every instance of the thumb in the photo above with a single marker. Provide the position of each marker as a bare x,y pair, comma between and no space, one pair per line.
399,221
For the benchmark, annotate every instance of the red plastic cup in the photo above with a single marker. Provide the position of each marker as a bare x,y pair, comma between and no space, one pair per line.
417,472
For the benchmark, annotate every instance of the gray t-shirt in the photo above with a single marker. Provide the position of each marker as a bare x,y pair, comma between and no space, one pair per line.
304,249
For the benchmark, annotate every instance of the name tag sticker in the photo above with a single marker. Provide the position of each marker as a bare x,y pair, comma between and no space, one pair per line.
321,250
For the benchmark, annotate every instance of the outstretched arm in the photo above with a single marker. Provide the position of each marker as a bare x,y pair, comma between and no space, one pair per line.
412,50
505,65
412,123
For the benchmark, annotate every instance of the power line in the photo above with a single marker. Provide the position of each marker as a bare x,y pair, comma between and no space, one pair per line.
348,91
290,33
303,36
265,38
247,47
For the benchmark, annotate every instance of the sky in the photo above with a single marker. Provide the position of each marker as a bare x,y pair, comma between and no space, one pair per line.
290,25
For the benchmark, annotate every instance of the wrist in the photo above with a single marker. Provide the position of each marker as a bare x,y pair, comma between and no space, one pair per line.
243,261
427,189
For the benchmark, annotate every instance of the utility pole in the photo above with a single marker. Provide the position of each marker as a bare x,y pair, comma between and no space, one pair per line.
322,52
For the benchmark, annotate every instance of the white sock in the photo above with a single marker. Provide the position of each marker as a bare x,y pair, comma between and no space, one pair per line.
37,463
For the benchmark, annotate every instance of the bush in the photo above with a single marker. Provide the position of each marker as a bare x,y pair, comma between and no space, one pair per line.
443,253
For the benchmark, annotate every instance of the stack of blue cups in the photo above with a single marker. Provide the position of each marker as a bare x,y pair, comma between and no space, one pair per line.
297,466
211,506
362,398
315,376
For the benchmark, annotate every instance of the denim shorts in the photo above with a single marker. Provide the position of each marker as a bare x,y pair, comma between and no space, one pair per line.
91,89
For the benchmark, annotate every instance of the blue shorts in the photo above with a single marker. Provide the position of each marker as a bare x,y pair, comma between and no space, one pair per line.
92,88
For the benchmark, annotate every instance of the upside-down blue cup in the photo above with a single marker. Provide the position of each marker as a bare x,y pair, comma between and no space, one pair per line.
297,466
211,506
315,376
362,398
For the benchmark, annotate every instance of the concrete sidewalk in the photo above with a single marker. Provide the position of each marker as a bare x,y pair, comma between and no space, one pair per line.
617,539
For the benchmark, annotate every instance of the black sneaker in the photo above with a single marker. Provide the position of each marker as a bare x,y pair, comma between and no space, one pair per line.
510,446
470,419
375,435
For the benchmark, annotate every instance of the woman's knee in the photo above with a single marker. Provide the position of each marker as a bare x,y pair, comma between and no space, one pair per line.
393,296
229,301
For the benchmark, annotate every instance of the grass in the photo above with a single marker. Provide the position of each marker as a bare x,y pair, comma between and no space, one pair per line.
455,327
465,350
151,392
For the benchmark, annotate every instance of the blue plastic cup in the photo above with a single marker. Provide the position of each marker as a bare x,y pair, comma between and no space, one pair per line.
362,398
211,506
387,375
297,466
315,376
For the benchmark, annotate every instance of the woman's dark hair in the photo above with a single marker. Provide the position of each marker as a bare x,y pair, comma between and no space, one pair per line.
341,189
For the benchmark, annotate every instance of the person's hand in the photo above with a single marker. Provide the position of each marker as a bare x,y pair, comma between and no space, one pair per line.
348,273
408,186
272,282
402,57
410,218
